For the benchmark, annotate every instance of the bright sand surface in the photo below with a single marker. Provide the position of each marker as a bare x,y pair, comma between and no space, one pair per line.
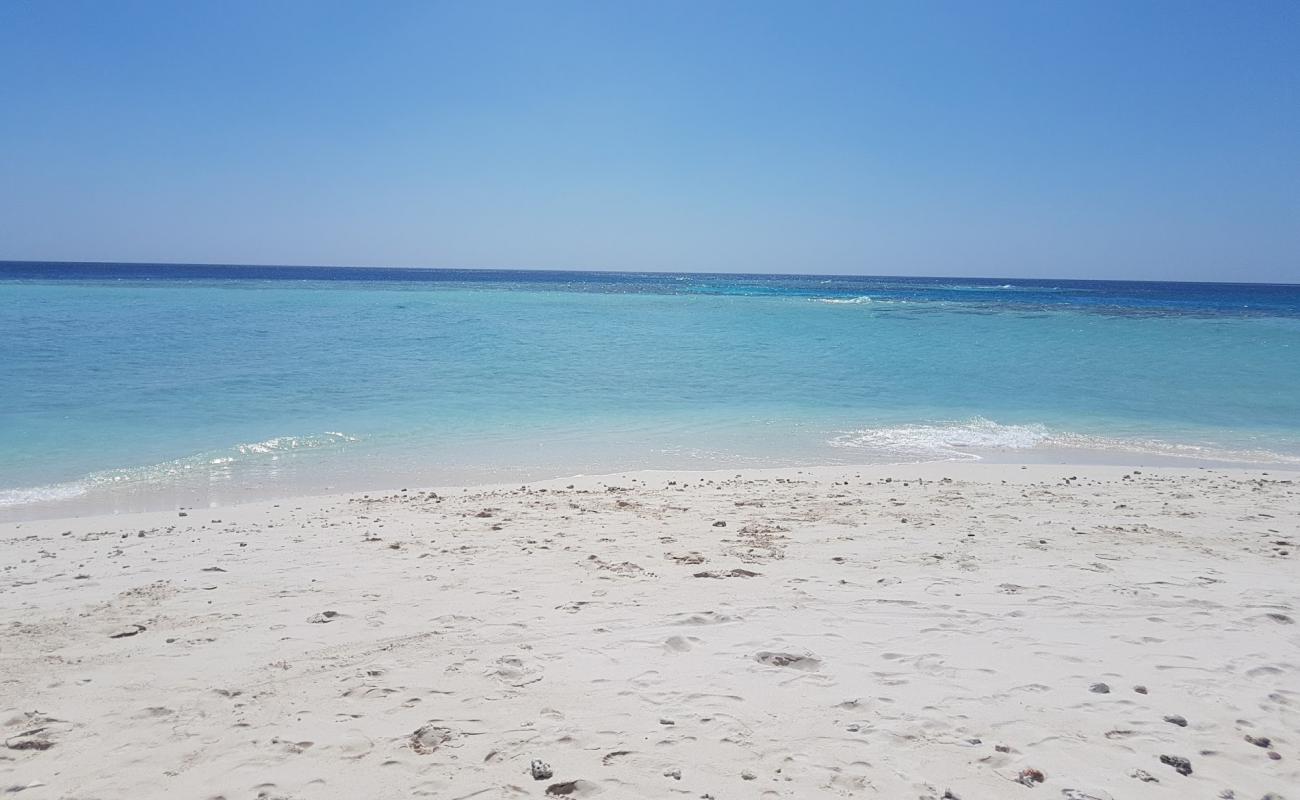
928,631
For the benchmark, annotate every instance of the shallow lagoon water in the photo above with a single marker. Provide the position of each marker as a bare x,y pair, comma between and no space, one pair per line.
143,385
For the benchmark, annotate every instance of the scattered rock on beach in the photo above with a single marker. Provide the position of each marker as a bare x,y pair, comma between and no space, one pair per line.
1260,741
1099,688
540,770
1176,719
323,617
1181,765
125,632
1144,776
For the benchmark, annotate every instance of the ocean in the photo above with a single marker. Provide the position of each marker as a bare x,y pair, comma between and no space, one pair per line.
128,386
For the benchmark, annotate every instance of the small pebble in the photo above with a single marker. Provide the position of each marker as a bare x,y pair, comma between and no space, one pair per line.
1099,688
1181,765
1177,719
540,770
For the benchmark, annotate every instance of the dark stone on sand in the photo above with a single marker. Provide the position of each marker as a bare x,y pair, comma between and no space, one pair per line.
1260,741
1177,719
719,524
1181,765
1275,755
131,631
1140,689
323,617
540,770
1099,688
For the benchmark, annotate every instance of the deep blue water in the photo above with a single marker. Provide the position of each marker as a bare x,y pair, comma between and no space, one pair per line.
216,383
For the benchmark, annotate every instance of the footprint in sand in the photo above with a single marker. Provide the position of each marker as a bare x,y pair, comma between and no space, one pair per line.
513,671
703,618
355,744
733,573
578,788
428,738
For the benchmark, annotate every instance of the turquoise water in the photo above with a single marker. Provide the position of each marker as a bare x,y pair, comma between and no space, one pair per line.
134,386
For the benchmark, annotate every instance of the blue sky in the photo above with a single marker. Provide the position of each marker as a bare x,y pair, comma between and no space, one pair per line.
1087,139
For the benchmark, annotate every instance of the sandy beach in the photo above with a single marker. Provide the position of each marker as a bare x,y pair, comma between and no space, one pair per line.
937,631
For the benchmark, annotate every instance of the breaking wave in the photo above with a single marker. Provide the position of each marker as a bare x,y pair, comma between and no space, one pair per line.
961,441
845,300
213,463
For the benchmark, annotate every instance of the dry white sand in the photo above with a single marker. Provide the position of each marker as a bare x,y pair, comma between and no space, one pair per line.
853,637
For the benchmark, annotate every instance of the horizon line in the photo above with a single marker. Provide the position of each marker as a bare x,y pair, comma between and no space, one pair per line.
615,271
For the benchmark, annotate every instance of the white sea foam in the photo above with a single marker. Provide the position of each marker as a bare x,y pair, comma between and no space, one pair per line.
219,462
41,494
845,300
945,439
959,440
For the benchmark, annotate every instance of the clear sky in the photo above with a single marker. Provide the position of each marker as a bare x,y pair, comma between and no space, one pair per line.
1129,139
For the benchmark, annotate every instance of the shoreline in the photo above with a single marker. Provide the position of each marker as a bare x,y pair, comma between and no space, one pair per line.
131,498
891,631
